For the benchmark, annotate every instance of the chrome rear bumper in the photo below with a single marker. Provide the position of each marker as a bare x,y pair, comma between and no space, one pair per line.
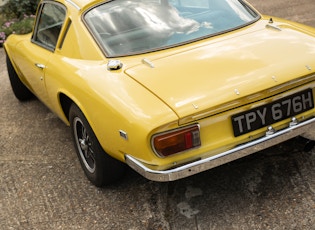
222,158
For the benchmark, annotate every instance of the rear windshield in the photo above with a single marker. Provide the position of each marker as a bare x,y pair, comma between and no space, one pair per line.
123,27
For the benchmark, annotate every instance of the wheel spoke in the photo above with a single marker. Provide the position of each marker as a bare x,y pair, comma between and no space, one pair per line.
90,157
83,132
85,146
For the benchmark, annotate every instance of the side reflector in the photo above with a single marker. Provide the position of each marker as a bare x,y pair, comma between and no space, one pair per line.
176,141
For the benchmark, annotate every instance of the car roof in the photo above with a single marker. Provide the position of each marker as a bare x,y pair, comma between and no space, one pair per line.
81,4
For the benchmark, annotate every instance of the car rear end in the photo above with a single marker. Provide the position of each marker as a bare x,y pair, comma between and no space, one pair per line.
233,98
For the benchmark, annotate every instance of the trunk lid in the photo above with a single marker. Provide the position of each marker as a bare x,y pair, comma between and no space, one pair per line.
227,68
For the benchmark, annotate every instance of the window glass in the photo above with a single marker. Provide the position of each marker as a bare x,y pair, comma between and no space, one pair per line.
49,25
189,3
132,27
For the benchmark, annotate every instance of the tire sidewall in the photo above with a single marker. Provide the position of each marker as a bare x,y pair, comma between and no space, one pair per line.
20,91
94,177
107,169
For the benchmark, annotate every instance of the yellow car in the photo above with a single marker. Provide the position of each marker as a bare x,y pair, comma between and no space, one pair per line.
169,87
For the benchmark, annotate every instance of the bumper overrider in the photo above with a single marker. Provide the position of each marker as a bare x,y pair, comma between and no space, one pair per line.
270,139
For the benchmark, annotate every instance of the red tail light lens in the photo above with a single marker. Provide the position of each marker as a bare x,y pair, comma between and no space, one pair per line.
176,141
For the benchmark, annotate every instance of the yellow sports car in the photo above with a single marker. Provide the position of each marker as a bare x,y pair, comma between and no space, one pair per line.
169,87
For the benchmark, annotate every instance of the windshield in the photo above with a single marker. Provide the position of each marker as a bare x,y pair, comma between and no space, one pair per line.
127,27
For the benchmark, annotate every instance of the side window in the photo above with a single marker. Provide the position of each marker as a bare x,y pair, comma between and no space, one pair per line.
48,25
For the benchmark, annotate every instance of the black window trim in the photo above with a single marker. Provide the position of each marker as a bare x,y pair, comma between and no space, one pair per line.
38,16
63,35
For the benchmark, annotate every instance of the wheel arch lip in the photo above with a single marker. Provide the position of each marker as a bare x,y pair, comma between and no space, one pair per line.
65,103
9,54
135,130
65,100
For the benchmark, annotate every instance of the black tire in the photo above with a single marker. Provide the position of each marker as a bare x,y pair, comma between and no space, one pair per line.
20,91
100,168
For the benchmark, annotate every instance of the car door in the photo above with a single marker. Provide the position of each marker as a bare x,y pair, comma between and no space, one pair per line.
34,56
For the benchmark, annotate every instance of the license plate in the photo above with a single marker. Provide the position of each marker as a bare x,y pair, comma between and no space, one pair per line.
271,113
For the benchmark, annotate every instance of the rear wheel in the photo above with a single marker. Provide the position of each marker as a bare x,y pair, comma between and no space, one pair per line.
100,168
20,91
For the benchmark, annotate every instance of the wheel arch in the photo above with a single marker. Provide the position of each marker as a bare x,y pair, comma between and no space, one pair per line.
65,103
10,58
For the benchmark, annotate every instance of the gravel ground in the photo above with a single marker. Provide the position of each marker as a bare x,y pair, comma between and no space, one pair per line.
43,187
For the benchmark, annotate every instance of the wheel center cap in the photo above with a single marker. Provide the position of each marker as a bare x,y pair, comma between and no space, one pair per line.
84,145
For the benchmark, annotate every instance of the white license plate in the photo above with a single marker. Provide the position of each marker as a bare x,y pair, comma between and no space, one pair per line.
271,113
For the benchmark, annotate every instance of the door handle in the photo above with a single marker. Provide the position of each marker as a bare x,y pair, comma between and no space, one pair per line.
40,66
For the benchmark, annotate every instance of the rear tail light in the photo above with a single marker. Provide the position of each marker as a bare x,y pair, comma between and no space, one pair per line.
179,140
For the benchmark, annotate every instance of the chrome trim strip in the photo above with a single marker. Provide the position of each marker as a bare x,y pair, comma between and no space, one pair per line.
222,158
73,4
272,26
148,62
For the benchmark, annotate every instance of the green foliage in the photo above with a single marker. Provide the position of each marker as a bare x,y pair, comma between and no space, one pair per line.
19,8
17,16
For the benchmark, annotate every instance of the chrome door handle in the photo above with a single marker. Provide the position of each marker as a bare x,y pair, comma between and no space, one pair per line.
40,66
